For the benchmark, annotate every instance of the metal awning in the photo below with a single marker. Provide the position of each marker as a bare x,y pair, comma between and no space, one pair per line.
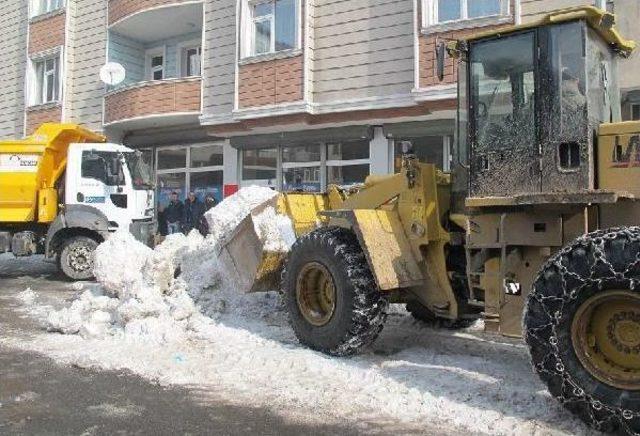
302,137
416,129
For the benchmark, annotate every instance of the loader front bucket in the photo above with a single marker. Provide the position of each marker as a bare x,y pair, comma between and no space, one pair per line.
247,264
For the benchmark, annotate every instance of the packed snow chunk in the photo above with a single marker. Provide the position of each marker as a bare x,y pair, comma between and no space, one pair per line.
89,315
119,261
274,230
226,216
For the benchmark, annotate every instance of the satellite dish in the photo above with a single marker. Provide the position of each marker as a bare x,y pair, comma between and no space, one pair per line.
112,73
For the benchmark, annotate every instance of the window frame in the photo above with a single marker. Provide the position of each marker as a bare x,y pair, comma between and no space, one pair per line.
324,164
430,16
38,88
247,24
149,70
186,170
182,60
38,8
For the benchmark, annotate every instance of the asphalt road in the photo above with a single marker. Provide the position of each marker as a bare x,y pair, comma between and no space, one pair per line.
40,397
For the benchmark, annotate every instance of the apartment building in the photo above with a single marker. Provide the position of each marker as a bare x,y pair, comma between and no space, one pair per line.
293,94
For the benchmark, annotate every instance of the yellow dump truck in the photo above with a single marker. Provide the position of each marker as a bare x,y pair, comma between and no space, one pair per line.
63,190
535,230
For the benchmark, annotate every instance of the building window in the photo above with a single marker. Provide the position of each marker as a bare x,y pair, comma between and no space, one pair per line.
40,7
196,168
260,167
155,64
635,111
428,149
46,80
271,26
301,168
348,162
448,11
190,60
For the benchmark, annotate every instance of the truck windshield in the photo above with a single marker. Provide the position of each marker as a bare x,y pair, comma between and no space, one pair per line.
140,170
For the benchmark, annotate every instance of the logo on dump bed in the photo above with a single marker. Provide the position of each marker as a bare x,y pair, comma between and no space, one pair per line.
18,163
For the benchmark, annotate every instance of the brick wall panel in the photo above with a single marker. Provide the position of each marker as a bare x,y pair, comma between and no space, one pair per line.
47,33
271,82
38,116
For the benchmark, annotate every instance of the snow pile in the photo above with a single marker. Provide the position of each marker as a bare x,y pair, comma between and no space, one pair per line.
175,290
28,296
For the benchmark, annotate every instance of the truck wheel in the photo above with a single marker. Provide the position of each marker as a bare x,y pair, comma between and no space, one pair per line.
582,326
333,301
76,258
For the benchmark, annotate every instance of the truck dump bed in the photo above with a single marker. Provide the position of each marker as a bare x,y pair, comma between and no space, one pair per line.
30,168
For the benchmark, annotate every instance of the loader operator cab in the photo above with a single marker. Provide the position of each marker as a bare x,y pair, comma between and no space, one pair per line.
530,104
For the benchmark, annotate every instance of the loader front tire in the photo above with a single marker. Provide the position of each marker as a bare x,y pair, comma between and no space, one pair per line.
582,327
333,301
75,258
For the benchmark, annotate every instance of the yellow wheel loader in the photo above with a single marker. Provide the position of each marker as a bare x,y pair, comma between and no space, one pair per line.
534,231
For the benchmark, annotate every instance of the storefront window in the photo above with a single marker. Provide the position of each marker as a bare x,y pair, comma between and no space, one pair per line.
172,158
303,179
347,174
206,182
206,156
168,183
428,149
348,162
260,165
301,168
348,150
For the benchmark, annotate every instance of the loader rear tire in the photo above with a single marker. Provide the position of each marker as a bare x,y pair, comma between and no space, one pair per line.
582,327
333,301
75,258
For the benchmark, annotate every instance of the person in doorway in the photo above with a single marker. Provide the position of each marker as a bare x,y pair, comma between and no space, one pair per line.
193,211
174,214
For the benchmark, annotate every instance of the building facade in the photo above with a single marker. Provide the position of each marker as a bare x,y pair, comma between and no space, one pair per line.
293,94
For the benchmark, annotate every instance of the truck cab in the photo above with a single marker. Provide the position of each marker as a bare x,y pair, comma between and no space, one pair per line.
64,192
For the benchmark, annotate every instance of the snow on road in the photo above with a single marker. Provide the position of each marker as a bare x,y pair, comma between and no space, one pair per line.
195,330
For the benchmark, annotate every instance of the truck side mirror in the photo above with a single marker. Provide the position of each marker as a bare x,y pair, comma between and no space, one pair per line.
440,52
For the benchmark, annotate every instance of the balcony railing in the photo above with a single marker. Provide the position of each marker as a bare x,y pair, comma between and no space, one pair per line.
151,99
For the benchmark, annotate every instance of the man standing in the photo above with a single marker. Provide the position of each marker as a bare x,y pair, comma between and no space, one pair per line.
174,214
193,211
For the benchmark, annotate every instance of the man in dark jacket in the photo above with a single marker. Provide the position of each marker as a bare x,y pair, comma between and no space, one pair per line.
193,211
174,214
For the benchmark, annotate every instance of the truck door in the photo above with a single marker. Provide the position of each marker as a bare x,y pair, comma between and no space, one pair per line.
97,185
504,154
564,128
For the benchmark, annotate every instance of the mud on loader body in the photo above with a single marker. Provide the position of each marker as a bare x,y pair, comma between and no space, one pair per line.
541,166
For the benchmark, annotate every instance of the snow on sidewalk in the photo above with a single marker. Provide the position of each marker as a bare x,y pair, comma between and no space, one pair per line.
195,330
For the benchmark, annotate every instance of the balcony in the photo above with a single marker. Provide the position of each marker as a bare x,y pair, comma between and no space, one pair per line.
120,10
159,44
156,102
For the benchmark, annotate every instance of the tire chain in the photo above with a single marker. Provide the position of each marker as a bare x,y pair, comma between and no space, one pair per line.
571,391
374,312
